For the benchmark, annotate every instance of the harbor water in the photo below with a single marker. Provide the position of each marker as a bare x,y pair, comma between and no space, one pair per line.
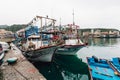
74,67
102,48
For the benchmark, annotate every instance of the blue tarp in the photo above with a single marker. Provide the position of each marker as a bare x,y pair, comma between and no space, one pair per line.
30,30
46,36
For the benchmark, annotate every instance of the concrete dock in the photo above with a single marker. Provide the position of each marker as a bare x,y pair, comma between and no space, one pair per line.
21,70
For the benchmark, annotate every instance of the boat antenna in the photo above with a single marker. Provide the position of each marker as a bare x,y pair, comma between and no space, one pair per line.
60,24
73,17
60,21
46,20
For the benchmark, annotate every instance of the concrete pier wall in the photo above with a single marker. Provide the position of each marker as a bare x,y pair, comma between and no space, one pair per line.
21,70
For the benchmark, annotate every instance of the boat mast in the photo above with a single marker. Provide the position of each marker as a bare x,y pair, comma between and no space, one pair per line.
73,22
60,25
41,30
75,26
41,25
60,22
73,18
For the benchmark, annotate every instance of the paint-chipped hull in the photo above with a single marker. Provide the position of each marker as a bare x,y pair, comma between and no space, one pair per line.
68,50
43,55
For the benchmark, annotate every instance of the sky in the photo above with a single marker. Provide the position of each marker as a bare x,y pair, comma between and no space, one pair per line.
87,13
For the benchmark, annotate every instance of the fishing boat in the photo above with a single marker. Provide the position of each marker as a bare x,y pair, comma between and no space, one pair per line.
36,52
100,69
71,41
38,44
71,38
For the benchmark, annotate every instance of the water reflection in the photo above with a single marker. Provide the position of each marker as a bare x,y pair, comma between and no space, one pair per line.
64,68
103,41
101,47
71,67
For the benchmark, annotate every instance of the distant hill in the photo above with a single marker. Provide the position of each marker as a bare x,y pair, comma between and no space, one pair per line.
3,26
13,28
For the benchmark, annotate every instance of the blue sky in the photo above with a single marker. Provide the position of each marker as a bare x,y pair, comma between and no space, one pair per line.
88,13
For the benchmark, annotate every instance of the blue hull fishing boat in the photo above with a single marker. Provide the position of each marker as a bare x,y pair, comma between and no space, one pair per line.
100,69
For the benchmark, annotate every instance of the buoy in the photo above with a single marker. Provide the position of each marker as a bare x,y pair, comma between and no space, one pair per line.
12,60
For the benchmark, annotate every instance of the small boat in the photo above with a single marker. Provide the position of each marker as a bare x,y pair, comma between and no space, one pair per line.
5,46
100,69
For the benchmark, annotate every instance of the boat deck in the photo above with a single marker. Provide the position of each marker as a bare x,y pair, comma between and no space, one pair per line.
101,70
21,70
102,73
115,67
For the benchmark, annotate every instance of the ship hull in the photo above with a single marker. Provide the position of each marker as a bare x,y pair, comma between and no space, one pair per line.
74,46
42,55
68,50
